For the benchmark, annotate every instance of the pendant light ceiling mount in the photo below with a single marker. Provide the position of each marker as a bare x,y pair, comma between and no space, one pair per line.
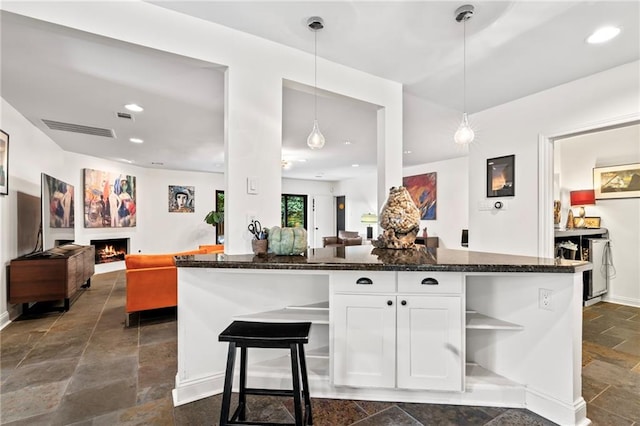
315,23
464,13
464,135
315,139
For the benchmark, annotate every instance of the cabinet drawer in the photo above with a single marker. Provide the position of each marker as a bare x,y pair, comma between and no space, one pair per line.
364,281
430,282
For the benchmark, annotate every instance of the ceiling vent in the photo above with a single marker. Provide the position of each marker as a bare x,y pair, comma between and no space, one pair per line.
124,115
79,128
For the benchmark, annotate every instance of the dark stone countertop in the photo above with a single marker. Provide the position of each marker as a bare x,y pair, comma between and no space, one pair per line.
367,258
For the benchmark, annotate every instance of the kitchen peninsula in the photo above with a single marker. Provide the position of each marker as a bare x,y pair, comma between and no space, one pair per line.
425,325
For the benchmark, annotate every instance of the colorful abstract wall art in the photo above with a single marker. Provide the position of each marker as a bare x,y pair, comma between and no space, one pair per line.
423,190
109,199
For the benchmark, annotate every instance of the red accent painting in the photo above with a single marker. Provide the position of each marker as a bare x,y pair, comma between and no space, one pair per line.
424,192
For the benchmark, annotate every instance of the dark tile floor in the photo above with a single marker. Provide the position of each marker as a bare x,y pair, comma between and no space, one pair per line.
83,367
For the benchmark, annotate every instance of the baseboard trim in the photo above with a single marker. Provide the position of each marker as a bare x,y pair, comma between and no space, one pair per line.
556,410
628,301
193,390
4,320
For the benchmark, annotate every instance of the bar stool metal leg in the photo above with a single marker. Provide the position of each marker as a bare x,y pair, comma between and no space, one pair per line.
228,383
242,402
295,372
305,387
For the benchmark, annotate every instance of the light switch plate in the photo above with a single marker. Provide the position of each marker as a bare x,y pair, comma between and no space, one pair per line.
252,185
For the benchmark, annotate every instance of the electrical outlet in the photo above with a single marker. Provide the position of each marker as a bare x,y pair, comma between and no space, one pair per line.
545,299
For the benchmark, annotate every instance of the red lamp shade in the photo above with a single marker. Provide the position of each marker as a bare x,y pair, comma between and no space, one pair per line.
584,197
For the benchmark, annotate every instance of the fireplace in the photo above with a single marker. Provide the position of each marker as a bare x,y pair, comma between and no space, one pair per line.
110,250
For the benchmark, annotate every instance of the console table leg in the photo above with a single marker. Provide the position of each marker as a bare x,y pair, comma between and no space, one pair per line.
66,304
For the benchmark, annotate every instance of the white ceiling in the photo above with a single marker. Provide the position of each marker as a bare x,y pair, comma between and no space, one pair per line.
513,49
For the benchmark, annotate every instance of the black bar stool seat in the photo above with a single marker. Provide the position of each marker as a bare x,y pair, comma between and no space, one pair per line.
246,334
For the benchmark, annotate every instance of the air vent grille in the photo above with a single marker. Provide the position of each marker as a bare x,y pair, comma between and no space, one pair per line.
124,115
79,128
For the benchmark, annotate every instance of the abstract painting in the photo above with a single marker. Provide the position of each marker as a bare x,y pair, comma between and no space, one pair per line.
4,163
109,199
182,199
617,181
61,200
424,192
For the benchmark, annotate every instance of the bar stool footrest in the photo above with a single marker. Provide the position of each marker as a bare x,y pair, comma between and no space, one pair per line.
271,392
260,423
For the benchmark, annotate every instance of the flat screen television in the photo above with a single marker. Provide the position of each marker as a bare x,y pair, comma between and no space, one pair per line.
29,217
58,218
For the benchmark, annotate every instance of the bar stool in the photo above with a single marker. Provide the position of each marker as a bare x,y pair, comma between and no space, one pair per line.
243,335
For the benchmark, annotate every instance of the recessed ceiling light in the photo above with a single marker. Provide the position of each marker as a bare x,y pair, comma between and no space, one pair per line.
136,140
302,160
355,165
406,152
134,107
347,142
602,35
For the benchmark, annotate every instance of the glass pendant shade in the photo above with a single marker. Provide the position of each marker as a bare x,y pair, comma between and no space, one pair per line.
315,139
464,135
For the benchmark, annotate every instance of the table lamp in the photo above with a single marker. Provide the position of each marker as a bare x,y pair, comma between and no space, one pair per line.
368,219
581,198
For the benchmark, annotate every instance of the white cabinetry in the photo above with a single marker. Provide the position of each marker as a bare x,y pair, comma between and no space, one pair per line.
429,343
364,340
410,323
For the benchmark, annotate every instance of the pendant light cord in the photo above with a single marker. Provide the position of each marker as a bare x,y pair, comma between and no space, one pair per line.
315,75
464,61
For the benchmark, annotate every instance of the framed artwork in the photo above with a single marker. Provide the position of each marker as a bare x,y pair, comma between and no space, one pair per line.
592,222
4,163
501,176
60,198
181,199
109,199
424,192
617,181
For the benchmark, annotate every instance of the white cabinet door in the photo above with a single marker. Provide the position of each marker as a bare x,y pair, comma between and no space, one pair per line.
430,343
364,340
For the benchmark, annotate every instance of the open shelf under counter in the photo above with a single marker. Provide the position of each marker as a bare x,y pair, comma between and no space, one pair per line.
478,321
317,368
315,313
322,352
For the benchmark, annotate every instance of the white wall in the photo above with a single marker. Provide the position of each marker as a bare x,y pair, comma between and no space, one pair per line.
577,158
452,213
452,210
514,128
25,167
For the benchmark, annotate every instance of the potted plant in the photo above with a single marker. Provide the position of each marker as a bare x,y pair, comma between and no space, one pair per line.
215,219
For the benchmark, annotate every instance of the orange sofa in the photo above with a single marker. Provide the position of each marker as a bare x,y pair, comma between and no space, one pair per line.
152,279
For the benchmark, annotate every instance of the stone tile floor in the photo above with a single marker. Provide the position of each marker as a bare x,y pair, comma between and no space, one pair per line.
83,367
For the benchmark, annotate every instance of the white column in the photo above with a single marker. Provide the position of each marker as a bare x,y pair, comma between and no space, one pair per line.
253,151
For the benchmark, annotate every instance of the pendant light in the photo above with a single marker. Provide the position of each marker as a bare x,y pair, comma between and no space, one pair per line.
315,139
464,135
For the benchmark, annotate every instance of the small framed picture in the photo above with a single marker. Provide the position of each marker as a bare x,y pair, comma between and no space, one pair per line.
181,199
592,222
4,163
501,176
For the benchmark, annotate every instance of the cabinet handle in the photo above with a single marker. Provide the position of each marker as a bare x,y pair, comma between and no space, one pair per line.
364,280
389,302
430,281
403,303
